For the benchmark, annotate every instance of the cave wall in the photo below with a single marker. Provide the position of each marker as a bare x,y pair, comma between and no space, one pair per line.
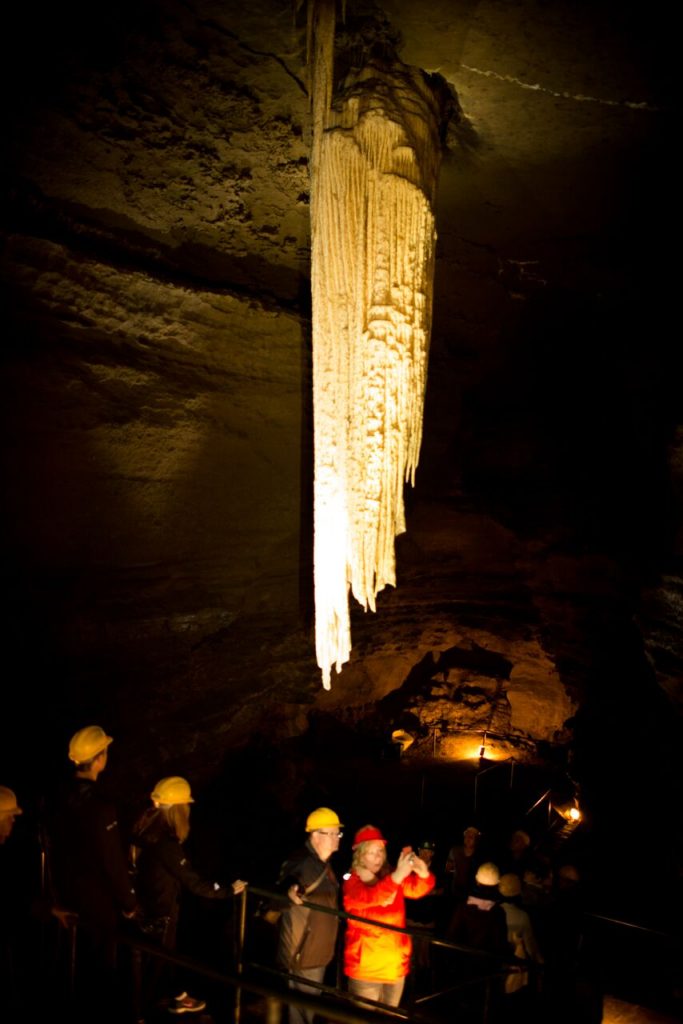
157,355
156,402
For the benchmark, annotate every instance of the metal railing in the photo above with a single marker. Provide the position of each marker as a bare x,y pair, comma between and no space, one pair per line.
334,1003
494,967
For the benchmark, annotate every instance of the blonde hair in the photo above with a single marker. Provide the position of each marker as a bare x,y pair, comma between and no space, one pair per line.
175,817
178,818
359,853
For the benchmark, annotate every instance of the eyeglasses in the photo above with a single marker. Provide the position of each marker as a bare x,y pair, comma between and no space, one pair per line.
330,835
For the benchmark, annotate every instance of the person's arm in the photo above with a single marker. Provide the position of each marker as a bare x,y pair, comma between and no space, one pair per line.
112,858
415,886
290,881
530,943
176,863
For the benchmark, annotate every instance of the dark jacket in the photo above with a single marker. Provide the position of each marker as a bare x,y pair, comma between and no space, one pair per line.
462,869
481,924
163,870
90,871
307,937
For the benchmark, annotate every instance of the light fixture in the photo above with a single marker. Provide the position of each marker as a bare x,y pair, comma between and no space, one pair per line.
569,811
375,160
402,739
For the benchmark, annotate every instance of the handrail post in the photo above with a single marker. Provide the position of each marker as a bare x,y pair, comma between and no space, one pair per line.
73,940
136,981
239,951
487,1001
273,1010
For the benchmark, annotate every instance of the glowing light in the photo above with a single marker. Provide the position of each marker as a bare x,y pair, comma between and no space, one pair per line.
492,753
375,160
570,812
403,738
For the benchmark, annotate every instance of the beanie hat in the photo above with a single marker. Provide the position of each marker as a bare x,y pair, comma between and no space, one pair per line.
367,834
520,838
568,873
510,885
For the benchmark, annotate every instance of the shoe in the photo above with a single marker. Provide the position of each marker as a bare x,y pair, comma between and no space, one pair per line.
186,1004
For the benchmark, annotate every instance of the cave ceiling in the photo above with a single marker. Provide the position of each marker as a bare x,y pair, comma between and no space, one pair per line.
157,456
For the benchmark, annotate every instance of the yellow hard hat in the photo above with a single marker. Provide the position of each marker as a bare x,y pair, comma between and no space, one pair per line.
322,817
88,743
172,790
8,802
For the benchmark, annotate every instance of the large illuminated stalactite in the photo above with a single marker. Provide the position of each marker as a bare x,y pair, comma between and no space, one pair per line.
376,154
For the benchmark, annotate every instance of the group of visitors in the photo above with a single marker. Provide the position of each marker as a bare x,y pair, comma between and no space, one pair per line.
101,879
96,881
377,955
513,900
516,927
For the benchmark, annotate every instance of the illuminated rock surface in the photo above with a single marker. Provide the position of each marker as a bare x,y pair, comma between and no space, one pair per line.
157,393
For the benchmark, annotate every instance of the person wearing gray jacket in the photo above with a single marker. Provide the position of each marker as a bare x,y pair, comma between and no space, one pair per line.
518,986
307,938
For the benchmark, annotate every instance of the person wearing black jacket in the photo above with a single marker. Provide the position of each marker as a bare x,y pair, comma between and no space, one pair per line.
89,865
89,869
307,938
12,898
163,871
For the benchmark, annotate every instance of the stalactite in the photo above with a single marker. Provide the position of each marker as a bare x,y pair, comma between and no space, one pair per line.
376,152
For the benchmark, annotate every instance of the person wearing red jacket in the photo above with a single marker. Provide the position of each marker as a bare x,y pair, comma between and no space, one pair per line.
377,959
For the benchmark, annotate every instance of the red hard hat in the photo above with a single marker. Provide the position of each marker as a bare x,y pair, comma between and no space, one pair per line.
368,834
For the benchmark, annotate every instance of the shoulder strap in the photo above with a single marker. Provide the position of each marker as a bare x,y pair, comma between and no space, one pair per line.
314,885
